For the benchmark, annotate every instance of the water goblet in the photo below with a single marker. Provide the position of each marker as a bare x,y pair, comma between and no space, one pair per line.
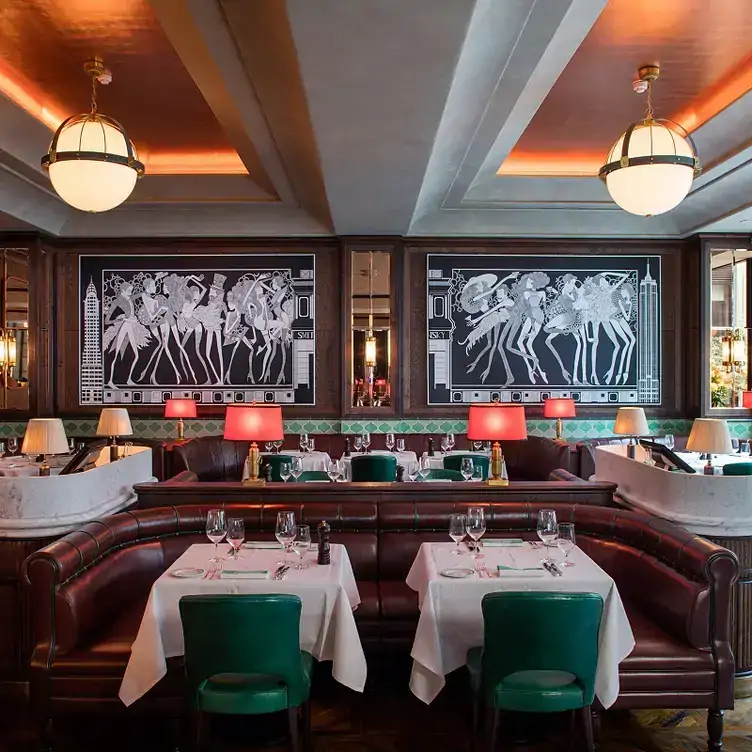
2,449
670,442
425,467
357,443
390,442
216,529
342,469
235,535
735,445
400,445
444,444
284,532
743,448
478,473
332,470
277,445
13,445
71,445
546,528
450,441
366,440
476,528
301,544
285,471
477,446
565,540
303,442
269,445
457,531
413,470
311,444
467,468
296,467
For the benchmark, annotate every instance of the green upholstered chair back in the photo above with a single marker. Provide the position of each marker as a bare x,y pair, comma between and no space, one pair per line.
444,474
274,461
540,631
454,462
308,475
738,468
374,468
243,634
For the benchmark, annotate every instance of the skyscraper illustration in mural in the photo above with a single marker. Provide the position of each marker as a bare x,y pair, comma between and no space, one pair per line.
244,332
521,328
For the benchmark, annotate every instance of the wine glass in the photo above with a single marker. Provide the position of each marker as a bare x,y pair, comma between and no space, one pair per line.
284,532
477,446
332,470
457,530
478,473
285,471
311,444
342,469
13,445
71,445
413,470
476,527
303,442
566,541
277,445
216,529
444,444
450,441
390,442
547,529
400,445
235,535
735,445
366,440
743,448
2,449
357,443
301,544
296,467
467,468
669,440
425,467
269,445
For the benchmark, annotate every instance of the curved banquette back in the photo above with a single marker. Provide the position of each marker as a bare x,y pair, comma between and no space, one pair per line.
212,458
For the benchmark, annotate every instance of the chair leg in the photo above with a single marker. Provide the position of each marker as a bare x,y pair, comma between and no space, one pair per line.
587,725
572,728
199,730
715,730
293,723
493,719
474,723
306,710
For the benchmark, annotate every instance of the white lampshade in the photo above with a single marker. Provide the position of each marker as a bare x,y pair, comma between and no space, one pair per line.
114,421
650,189
631,421
93,185
45,436
710,435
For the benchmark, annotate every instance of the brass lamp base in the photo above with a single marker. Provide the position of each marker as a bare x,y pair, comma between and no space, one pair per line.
497,482
559,429
497,462
254,460
181,437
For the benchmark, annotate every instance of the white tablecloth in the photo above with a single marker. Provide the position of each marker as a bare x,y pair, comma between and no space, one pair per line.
437,461
311,460
717,460
20,466
451,621
403,458
327,625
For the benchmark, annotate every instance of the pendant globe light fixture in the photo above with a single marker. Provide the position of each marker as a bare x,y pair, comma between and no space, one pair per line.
93,165
650,169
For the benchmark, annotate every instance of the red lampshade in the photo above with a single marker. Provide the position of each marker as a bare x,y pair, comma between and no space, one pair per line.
559,407
180,407
254,422
746,399
496,422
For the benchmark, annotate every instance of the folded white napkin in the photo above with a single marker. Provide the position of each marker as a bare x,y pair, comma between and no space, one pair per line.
521,573
262,544
244,574
491,542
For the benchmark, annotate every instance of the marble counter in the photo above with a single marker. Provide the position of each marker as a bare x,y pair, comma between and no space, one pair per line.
34,507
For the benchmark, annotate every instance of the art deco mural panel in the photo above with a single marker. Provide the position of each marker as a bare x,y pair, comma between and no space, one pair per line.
230,328
520,328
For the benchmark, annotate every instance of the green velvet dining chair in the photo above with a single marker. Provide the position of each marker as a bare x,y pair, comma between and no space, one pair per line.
539,655
454,462
375,468
738,468
243,657
443,474
275,462
309,475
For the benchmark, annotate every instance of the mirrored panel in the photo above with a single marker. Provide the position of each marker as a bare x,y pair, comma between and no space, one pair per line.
14,330
371,320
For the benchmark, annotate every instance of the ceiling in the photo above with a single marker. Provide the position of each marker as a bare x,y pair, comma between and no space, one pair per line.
376,117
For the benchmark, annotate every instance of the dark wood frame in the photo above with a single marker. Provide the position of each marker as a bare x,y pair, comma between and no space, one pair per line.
672,326
328,305
394,249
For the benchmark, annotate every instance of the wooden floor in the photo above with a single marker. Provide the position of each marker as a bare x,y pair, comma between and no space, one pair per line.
389,719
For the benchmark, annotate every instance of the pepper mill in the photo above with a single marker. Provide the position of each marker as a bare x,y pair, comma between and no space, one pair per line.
347,447
400,473
430,446
268,473
324,530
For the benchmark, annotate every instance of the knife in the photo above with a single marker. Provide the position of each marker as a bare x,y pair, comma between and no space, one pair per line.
552,569
278,571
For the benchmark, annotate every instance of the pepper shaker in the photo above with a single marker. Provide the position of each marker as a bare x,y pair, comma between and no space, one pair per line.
347,447
430,446
324,531
400,473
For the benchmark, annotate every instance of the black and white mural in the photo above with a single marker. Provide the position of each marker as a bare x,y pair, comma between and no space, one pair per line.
220,329
523,328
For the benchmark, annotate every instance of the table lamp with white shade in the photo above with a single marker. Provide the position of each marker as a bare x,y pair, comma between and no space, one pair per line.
631,421
45,436
114,422
710,436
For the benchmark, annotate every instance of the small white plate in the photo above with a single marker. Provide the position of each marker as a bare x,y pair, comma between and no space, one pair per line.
188,572
457,573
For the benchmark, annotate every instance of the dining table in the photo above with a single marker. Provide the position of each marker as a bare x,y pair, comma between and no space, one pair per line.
436,461
451,620
329,595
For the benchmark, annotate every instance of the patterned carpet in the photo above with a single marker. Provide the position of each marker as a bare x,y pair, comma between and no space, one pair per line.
389,719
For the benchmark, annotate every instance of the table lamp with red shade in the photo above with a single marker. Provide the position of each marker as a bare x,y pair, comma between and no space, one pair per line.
747,399
180,408
496,422
559,407
254,422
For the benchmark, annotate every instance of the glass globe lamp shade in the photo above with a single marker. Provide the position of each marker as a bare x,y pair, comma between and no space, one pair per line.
659,173
92,164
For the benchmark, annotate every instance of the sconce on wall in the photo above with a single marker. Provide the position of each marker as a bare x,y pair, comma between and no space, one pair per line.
7,352
734,349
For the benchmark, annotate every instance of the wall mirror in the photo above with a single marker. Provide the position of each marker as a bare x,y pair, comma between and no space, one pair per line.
14,330
370,327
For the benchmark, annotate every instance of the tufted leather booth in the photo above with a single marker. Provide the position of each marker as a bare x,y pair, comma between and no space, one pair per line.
88,591
211,458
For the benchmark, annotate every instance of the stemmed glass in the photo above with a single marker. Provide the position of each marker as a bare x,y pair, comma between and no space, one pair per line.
296,467
444,444
413,470
366,440
71,445
357,443
332,470
285,471
269,446
669,440
277,445
2,449
303,442
235,535
734,445
284,532
342,469
477,446
13,445
566,541
216,529
425,467
476,527
457,530
466,468
743,448
400,445
450,441
547,529
311,444
301,544
390,442
478,473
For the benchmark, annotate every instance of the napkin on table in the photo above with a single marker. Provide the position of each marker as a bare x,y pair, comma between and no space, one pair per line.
244,574
520,571
262,544
490,542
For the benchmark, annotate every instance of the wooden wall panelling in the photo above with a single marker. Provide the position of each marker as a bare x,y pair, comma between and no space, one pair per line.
327,302
673,332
